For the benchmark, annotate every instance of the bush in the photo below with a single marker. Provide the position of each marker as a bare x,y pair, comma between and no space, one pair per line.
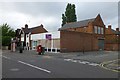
6,40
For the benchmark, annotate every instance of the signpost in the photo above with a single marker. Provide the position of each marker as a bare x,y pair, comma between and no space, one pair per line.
49,37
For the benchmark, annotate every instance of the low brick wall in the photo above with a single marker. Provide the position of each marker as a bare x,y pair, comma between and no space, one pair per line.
4,47
112,46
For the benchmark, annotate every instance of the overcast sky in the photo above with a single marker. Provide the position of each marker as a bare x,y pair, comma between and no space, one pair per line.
17,14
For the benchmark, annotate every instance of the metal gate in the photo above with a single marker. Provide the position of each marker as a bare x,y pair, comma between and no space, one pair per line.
101,44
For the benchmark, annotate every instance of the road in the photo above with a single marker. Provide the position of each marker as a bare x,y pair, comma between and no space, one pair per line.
31,65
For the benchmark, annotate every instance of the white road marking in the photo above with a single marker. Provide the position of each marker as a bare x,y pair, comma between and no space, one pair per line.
67,59
93,64
6,57
74,60
35,67
86,62
82,62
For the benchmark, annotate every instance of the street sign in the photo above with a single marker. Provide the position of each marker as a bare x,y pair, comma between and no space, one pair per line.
48,36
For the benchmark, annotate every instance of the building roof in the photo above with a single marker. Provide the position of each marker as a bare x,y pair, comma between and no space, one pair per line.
77,24
115,32
17,32
35,30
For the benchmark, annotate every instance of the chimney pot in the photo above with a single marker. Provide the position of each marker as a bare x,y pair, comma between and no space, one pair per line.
26,26
109,26
117,29
41,25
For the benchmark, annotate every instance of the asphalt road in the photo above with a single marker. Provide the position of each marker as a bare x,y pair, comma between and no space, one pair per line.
29,65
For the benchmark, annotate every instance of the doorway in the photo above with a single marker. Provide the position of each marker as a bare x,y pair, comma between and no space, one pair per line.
101,44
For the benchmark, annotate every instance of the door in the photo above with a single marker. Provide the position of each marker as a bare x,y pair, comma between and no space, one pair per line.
101,44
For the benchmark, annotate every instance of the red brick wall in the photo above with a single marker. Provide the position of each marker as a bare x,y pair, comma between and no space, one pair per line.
76,41
112,46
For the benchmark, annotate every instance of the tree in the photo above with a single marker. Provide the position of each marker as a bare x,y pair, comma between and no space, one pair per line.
7,34
70,14
63,19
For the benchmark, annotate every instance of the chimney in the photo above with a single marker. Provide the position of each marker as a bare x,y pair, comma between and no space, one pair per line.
26,26
109,26
117,29
41,25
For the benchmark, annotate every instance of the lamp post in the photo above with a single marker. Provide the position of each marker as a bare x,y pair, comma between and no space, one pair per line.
118,36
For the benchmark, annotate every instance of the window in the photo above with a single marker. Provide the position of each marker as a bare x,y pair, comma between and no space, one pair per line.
35,43
22,35
27,35
102,31
99,30
74,29
95,29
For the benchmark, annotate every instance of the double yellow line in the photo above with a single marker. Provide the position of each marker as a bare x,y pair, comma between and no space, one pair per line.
106,62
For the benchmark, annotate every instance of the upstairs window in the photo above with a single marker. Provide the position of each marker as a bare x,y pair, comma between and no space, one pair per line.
22,35
95,29
99,30
102,31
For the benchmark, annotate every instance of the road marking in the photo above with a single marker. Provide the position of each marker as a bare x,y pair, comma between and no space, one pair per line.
6,57
74,60
67,59
93,64
106,62
35,67
82,62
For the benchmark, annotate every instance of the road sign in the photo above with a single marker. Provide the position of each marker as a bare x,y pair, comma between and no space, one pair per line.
48,36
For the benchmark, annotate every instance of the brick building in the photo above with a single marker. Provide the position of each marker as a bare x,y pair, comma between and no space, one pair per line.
112,38
91,31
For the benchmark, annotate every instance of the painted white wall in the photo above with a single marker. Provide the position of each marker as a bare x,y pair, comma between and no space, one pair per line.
27,38
22,38
48,43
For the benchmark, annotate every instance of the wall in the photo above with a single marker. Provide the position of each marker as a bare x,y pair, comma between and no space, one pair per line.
54,43
75,41
112,46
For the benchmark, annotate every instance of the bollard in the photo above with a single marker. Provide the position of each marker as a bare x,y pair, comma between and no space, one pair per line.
21,49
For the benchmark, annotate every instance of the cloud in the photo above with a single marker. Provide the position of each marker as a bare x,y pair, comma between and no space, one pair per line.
17,14
108,11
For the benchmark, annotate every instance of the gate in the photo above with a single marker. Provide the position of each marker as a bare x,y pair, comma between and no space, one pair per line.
101,44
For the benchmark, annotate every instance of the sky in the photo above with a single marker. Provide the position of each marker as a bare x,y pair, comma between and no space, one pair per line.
17,14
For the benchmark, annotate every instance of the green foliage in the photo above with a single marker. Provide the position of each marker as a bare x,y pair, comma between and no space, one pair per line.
7,34
70,14
63,19
6,40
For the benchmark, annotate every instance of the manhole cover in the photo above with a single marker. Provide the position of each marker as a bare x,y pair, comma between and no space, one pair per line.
14,69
